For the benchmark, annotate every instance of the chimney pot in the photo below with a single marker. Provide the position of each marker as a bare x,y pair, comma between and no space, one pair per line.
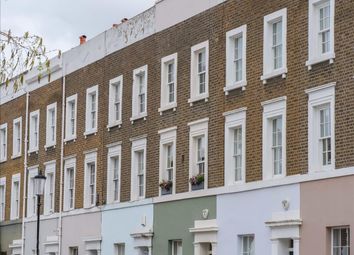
115,25
124,20
82,39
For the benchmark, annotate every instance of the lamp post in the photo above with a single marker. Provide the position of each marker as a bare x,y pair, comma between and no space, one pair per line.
39,182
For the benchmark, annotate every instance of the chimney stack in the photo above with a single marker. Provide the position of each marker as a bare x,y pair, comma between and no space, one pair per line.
82,39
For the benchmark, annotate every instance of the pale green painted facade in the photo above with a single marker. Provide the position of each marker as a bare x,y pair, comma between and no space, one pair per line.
8,233
172,221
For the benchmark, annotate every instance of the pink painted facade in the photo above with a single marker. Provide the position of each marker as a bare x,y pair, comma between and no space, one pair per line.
325,204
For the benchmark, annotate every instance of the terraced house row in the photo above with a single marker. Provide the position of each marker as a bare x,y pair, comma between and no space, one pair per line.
196,127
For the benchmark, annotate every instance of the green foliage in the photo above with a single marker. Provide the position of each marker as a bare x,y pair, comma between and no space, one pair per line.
19,54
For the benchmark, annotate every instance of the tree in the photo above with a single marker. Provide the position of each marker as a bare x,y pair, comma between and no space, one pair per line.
19,54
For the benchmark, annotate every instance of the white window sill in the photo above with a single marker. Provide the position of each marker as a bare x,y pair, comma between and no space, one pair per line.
168,107
47,146
90,132
138,117
201,97
115,124
279,72
323,169
316,60
69,139
3,160
235,85
35,150
15,156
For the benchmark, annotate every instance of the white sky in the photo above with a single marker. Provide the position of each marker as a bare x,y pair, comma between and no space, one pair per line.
61,22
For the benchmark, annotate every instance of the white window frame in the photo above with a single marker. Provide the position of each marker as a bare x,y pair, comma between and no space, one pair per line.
314,56
138,145
231,82
332,236
49,206
3,199
268,64
31,197
90,158
113,83
34,145
241,251
273,109
194,87
51,142
233,120
16,151
68,164
164,98
174,245
119,249
197,129
114,151
318,97
3,141
136,114
167,137
13,214
68,134
88,119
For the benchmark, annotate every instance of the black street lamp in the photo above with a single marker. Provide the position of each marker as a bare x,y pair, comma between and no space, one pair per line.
39,183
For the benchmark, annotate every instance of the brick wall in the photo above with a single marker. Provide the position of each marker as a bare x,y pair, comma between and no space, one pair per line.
211,25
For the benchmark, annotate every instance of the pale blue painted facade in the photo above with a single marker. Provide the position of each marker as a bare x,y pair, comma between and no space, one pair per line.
246,213
118,223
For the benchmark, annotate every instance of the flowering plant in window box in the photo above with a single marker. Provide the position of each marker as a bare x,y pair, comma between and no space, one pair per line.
197,182
166,187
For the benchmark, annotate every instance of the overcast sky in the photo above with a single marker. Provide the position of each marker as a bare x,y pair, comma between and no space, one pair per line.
61,22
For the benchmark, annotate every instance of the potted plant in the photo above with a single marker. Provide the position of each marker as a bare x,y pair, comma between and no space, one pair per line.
197,182
166,187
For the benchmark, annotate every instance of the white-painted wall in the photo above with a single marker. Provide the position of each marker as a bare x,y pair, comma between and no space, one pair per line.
246,213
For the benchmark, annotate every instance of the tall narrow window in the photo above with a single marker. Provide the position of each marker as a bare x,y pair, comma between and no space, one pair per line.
198,153
115,102
119,249
321,128
31,193
199,72
90,179
236,59
34,131
277,145
168,83
138,168
2,198
235,139
70,120
139,93
176,247
49,193
274,135
51,125
69,184
113,173
17,137
274,45
247,245
341,241
140,172
91,110
15,197
237,153
167,160
325,134
321,31
74,250
3,142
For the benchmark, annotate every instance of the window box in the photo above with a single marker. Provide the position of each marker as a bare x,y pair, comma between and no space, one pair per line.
197,182
199,186
166,187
